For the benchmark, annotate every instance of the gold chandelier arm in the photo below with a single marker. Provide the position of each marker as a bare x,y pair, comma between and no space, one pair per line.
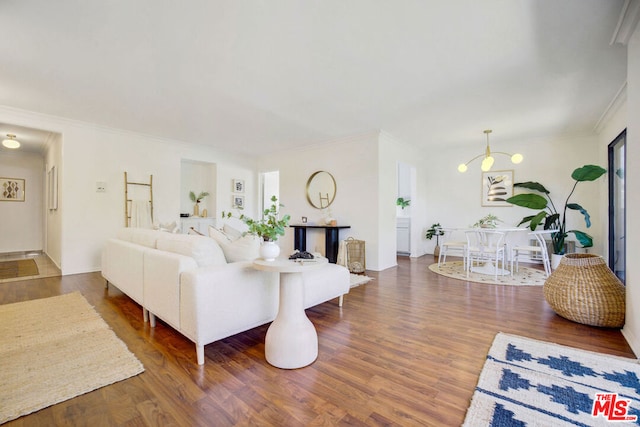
488,158
476,157
485,155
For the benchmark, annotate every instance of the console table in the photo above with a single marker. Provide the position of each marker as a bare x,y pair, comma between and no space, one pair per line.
331,240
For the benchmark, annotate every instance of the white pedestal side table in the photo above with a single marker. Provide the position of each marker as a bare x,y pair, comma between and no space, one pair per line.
292,340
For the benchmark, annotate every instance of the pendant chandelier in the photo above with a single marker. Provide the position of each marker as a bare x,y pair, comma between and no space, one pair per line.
488,159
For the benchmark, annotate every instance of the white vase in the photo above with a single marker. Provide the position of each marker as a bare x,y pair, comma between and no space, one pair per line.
269,251
555,261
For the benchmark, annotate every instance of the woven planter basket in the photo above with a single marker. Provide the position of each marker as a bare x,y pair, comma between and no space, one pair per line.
583,289
356,260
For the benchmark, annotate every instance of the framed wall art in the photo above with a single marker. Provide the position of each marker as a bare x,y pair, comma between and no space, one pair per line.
238,186
497,187
238,202
12,189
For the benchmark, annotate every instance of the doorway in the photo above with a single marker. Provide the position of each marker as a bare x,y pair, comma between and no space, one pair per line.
270,186
405,241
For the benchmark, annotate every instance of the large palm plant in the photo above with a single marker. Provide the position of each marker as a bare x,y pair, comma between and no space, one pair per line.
549,217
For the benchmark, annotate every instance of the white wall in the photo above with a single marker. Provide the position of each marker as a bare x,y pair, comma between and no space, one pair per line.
353,164
96,154
53,223
631,329
455,198
22,223
392,152
198,177
441,195
365,170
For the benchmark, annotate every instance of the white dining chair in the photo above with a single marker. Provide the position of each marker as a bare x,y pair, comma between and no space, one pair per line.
486,250
537,250
449,244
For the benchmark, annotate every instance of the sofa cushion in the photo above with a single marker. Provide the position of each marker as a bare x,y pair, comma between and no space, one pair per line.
245,248
202,249
139,236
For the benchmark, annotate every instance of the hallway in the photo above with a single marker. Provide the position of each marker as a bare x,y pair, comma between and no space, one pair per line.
46,267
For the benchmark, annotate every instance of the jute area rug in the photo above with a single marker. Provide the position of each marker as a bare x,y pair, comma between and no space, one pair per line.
525,276
18,268
53,349
527,382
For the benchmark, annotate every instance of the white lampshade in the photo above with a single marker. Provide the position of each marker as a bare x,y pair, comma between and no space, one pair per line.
462,168
487,162
517,158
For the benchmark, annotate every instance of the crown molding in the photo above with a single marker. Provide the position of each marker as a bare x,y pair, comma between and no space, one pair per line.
627,23
618,100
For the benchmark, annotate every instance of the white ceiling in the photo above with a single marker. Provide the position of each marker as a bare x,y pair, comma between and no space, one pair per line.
257,76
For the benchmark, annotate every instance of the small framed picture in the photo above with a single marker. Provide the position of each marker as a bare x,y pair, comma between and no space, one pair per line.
238,202
497,187
238,185
11,190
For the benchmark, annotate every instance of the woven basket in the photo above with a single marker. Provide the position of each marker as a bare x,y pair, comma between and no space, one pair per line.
583,289
356,259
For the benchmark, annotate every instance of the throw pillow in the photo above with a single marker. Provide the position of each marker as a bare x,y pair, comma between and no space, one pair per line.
245,248
231,232
170,227
194,232
219,236
202,249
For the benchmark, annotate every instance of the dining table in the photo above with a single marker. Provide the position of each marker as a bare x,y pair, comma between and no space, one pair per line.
488,267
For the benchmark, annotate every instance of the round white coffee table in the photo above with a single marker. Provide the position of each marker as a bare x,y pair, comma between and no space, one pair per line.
292,340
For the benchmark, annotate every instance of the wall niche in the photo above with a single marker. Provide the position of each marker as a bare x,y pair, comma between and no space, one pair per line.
198,177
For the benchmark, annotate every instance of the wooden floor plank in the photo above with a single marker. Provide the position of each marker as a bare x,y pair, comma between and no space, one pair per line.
405,349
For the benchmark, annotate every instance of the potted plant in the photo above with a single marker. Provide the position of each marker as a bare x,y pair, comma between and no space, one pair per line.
549,217
402,202
197,199
488,221
269,228
435,230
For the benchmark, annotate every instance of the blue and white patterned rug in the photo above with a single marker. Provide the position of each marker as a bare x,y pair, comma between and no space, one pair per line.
527,382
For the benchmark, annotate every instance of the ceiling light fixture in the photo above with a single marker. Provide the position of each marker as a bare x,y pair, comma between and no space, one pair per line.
488,159
12,142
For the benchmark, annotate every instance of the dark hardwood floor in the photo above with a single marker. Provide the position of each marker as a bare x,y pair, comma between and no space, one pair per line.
405,349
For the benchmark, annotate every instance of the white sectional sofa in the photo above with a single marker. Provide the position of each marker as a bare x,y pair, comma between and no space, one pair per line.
186,281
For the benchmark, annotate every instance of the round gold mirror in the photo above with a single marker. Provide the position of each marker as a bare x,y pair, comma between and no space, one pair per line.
321,189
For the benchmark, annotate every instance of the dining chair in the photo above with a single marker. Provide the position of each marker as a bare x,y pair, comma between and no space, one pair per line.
486,251
537,250
451,245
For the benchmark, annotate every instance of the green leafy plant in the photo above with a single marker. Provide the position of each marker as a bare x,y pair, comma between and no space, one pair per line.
402,202
488,221
435,230
270,226
199,197
549,217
